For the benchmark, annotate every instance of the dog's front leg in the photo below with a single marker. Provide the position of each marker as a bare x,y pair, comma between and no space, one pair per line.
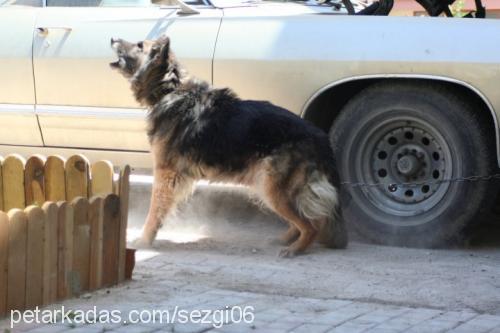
166,187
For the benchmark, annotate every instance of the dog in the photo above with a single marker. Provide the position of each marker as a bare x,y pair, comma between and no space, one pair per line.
197,131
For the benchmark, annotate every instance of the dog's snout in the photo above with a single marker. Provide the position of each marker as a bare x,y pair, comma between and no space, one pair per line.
113,40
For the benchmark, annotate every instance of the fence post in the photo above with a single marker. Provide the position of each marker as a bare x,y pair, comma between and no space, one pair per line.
55,181
124,189
77,177
64,249
34,256
34,184
96,229
1,184
111,240
16,271
50,253
81,244
101,178
13,182
4,256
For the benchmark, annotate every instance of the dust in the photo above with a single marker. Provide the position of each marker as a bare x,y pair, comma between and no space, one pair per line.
217,217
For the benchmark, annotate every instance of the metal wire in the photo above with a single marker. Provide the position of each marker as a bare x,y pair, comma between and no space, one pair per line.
393,186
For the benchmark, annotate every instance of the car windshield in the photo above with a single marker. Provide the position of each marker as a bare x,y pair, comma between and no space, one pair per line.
92,3
28,3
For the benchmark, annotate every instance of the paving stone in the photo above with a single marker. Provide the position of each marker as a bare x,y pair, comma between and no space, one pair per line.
47,329
381,315
135,329
384,330
284,326
345,313
236,328
308,328
433,326
86,329
191,328
458,316
481,323
485,320
352,327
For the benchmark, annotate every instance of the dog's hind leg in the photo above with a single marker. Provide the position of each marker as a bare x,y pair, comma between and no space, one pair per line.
279,202
289,236
168,189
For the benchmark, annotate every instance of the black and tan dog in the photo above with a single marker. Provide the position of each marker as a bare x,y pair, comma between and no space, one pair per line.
197,131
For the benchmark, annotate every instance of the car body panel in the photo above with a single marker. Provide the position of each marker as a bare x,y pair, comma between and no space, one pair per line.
288,66
18,123
80,101
286,53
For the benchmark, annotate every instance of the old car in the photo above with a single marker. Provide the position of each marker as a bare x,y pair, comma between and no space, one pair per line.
411,104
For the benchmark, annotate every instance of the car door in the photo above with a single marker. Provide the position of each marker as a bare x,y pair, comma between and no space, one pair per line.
81,102
18,122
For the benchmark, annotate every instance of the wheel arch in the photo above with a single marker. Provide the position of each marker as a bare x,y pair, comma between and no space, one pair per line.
314,109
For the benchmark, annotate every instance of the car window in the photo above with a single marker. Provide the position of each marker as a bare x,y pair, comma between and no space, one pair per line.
29,3
98,3
113,3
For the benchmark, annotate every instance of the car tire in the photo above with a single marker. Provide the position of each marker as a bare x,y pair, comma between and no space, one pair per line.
408,132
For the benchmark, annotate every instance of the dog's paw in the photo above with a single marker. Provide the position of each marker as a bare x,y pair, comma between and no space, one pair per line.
141,243
287,253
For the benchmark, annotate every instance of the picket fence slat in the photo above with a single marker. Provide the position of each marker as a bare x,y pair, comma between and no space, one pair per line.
55,180
34,256
13,182
4,246
1,184
34,184
50,253
102,178
16,269
124,187
111,240
96,229
77,177
64,249
81,243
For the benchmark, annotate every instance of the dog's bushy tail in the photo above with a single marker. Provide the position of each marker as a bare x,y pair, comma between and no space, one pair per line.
319,202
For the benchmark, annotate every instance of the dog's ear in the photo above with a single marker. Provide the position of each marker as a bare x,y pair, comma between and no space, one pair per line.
160,49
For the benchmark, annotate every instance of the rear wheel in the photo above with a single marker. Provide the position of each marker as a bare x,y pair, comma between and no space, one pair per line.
410,133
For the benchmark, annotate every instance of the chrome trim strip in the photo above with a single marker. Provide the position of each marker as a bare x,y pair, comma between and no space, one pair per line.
89,112
17,109
412,76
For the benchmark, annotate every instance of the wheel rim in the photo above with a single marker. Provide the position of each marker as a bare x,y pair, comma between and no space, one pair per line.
401,149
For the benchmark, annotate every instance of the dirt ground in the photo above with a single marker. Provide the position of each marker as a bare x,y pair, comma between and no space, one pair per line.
232,238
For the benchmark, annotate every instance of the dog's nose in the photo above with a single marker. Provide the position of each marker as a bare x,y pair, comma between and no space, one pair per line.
113,40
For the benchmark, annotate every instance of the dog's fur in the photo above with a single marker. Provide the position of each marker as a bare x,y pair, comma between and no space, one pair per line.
197,131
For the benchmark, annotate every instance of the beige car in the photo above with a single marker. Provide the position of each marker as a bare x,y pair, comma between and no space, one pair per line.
411,104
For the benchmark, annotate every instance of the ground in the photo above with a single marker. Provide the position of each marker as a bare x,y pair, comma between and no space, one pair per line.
217,253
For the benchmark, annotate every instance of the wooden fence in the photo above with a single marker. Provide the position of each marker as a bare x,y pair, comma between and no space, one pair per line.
62,228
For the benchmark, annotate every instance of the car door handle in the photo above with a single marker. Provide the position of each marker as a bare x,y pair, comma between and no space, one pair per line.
44,31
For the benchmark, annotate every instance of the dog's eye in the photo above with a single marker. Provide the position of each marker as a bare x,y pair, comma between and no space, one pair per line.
140,45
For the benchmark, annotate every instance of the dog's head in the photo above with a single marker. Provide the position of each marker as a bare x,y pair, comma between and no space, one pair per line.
134,56
150,67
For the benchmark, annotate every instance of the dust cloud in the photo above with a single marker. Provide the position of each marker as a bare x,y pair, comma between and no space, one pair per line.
216,217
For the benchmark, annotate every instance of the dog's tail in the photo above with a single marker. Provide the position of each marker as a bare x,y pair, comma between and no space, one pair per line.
318,201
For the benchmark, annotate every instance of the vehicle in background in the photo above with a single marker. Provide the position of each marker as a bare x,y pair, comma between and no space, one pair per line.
412,110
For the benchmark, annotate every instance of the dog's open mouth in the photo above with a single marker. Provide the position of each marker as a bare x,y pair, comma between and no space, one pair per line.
118,63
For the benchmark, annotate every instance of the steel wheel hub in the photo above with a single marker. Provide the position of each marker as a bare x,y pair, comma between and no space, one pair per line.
408,155
408,152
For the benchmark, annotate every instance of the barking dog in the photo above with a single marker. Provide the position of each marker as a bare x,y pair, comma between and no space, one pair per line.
197,131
